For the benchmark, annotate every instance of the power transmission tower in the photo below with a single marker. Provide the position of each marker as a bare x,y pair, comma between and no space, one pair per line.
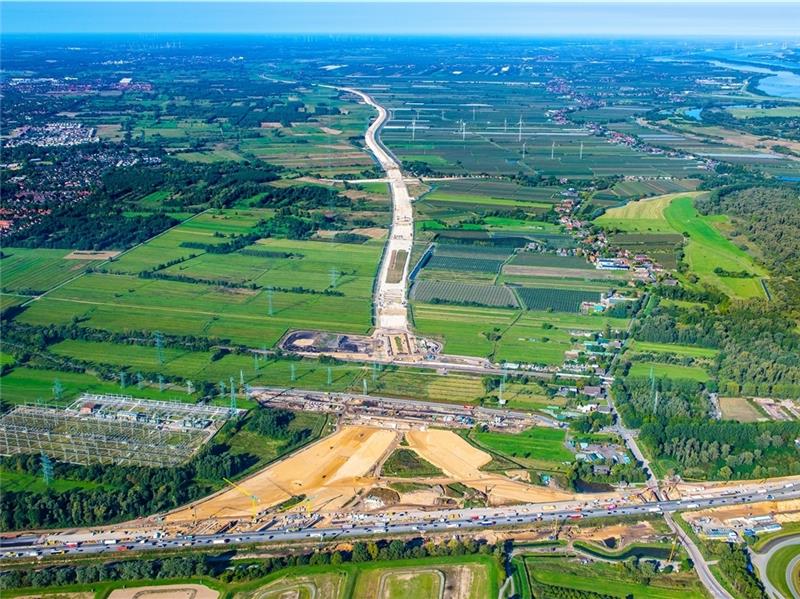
255,362
159,347
374,371
160,382
58,389
189,387
330,376
122,381
233,391
293,375
580,157
47,469
139,380
334,277
552,151
365,386
653,392
269,301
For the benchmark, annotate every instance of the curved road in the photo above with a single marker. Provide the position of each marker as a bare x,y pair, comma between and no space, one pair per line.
761,559
790,577
391,312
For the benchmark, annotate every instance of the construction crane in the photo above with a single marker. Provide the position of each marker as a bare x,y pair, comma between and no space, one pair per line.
252,496
674,546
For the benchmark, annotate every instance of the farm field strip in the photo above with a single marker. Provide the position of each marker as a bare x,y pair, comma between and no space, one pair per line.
451,291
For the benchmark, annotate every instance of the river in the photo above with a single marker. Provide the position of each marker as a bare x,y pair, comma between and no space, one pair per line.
782,84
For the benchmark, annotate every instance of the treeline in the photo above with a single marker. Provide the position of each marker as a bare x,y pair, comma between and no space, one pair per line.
758,342
306,197
733,562
96,224
38,337
724,449
640,400
585,471
166,276
99,221
276,424
225,569
125,492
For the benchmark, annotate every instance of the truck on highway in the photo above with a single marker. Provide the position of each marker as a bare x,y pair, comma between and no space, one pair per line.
110,542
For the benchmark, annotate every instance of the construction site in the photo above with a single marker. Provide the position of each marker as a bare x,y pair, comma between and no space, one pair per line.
400,414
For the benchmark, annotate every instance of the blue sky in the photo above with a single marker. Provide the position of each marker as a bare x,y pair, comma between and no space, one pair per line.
587,18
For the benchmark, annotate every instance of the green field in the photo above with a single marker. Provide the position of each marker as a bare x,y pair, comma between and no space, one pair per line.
505,334
669,371
33,271
536,445
691,351
642,216
122,303
778,565
349,580
23,385
610,579
22,481
406,463
706,248
758,113
31,385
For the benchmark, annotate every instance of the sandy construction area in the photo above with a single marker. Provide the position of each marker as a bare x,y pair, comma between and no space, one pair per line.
461,461
329,473
90,255
784,511
169,591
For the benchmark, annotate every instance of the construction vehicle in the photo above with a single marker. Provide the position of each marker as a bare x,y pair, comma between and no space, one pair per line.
252,496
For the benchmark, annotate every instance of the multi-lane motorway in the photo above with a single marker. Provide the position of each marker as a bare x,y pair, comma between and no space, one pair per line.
465,521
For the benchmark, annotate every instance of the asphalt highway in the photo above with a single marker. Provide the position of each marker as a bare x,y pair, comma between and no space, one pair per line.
518,516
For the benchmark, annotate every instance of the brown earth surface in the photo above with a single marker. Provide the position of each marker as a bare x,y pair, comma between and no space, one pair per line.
329,473
89,255
462,462
169,591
